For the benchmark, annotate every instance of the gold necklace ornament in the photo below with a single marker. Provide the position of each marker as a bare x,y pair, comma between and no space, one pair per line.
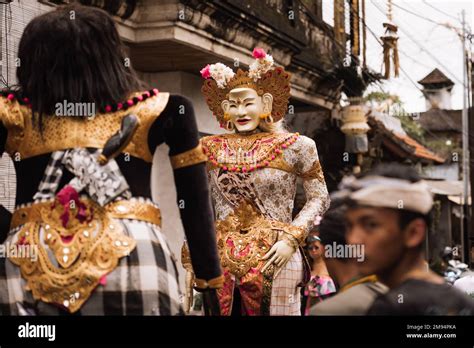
246,153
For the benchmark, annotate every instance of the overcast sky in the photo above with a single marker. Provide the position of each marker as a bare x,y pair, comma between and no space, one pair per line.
438,43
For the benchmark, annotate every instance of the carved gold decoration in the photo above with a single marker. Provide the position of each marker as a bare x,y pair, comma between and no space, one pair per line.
214,283
298,233
186,258
267,285
134,210
188,158
254,151
12,117
242,80
61,133
276,82
124,209
292,241
245,236
71,259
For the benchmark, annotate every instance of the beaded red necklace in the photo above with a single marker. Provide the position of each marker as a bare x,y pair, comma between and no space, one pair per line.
266,148
14,95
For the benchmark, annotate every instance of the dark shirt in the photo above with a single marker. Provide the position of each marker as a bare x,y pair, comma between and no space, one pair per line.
419,297
354,301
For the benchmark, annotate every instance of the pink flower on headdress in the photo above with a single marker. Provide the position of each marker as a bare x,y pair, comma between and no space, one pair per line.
206,72
258,53
219,72
263,63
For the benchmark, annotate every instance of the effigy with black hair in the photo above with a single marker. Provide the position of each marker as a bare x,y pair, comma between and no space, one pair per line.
84,202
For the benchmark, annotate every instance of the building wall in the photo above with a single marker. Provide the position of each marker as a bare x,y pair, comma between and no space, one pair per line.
188,85
439,98
20,12
444,171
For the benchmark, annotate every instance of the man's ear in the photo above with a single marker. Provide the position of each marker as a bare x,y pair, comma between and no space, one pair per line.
225,105
267,100
415,233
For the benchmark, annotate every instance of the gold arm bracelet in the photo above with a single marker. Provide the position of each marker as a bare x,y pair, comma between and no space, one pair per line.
188,158
214,283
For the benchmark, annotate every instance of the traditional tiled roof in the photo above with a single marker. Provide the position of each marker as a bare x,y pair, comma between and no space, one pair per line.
435,120
436,77
418,149
397,140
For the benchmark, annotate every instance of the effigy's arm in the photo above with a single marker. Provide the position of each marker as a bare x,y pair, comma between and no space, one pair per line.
189,168
317,196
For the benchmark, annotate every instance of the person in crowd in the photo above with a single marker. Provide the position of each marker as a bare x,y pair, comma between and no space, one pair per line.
356,291
466,283
320,286
388,213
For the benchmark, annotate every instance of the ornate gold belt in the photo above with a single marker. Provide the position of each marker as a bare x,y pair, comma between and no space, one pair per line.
125,209
76,252
245,236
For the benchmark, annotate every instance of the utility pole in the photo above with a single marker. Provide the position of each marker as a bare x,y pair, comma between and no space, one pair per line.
465,238
471,155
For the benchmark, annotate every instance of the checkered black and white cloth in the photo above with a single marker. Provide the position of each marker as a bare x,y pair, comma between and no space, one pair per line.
286,296
144,283
51,177
103,183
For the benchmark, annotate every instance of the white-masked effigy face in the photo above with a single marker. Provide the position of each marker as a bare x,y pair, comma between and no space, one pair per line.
245,108
241,101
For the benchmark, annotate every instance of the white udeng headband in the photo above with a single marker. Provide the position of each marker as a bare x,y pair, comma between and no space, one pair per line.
378,191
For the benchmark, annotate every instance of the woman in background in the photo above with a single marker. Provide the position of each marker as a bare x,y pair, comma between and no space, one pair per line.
320,285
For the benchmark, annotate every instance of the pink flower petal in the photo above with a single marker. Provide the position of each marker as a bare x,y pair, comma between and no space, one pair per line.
206,72
258,53
103,280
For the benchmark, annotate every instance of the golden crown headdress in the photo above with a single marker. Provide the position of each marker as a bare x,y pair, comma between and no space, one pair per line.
261,76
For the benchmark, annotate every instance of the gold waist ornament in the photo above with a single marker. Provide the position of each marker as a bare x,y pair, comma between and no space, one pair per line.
74,253
245,236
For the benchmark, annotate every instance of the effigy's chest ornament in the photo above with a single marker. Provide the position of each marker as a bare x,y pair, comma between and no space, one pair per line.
232,152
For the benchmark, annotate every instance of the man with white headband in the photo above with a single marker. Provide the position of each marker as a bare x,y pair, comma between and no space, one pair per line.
388,213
